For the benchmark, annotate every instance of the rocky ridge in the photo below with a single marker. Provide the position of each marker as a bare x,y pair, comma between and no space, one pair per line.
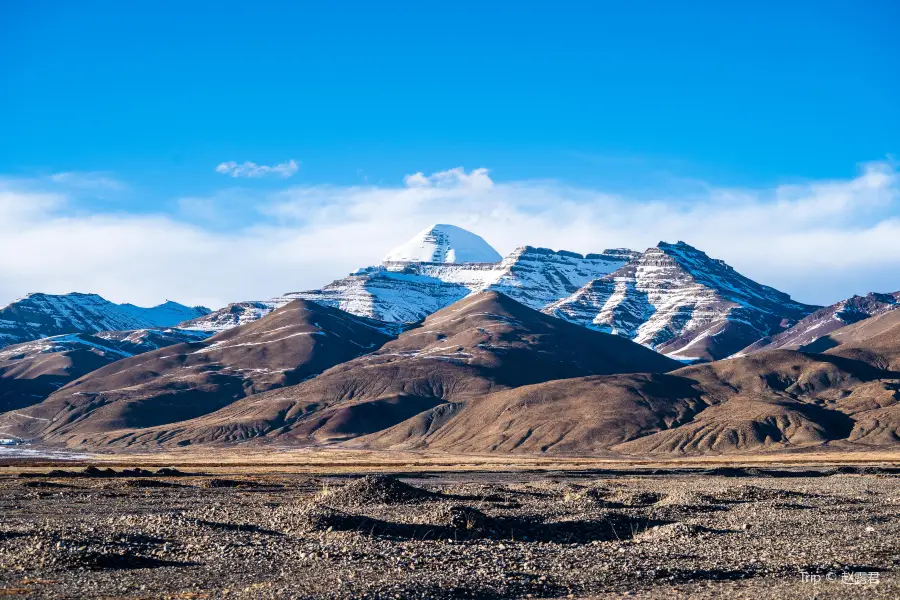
679,301
826,320
42,315
408,292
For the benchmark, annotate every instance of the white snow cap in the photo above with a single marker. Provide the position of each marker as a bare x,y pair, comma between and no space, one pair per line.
444,244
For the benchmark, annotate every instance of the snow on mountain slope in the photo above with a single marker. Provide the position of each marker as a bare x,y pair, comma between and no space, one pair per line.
117,343
187,380
826,320
233,315
31,371
677,300
437,267
444,244
538,276
407,292
484,342
378,293
42,315
139,341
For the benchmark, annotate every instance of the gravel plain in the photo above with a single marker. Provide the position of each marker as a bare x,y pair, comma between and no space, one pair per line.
654,533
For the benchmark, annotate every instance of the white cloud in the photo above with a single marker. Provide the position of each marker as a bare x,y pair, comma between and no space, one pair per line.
253,170
93,180
819,241
417,180
478,179
20,207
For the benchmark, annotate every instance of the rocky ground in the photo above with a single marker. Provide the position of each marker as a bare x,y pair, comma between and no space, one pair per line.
727,532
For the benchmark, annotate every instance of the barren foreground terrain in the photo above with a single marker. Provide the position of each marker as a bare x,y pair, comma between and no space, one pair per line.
764,531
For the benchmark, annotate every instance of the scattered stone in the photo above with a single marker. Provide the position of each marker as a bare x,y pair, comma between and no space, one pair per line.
635,499
477,535
755,493
670,531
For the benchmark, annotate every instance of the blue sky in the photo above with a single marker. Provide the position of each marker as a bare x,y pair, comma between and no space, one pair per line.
647,102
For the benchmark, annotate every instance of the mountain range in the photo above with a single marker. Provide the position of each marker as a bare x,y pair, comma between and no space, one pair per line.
445,345
38,316
822,322
404,290
483,343
186,380
677,300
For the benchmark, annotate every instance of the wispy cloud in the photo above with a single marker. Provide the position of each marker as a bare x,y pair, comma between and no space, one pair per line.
820,241
451,178
93,180
253,170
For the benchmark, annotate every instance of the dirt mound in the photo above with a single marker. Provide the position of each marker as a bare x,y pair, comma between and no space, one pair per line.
377,489
460,517
227,483
599,495
96,473
476,492
318,517
635,499
752,493
170,472
96,560
45,484
89,550
612,497
69,557
88,472
607,526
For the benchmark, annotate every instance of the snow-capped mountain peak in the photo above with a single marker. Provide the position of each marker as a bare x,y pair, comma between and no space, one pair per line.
444,244
410,291
676,299
730,284
42,315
